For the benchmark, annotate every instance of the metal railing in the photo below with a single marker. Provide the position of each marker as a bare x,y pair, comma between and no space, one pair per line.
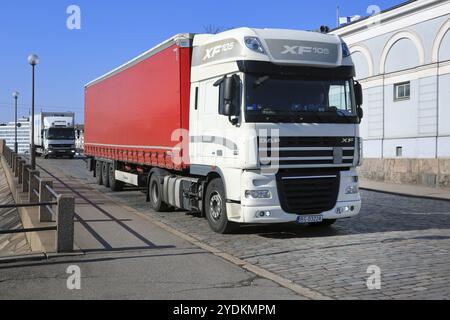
40,193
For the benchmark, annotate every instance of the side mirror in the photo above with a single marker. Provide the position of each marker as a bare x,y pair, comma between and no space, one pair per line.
360,112
359,94
229,89
227,101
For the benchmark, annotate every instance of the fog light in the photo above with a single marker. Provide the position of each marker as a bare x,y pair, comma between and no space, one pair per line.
258,194
343,210
352,190
263,214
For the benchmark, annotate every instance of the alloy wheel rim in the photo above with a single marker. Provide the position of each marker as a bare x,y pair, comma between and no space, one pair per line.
216,206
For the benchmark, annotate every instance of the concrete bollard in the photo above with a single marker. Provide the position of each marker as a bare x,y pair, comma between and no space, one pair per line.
45,215
16,166
22,163
25,178
65,214
34,185
13,163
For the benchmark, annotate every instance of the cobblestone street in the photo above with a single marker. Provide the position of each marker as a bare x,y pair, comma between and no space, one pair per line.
408,238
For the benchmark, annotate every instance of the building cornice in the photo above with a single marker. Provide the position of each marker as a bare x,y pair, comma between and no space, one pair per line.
388,16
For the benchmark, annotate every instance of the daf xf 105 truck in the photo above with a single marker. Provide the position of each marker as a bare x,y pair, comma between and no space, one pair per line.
249,126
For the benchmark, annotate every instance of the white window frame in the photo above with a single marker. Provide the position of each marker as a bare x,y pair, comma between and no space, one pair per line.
402,86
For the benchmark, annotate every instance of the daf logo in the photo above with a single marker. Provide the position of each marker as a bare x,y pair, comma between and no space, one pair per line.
212,52
300,50
348,140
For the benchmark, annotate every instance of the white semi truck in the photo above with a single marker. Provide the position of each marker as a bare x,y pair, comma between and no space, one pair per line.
54,134
249,126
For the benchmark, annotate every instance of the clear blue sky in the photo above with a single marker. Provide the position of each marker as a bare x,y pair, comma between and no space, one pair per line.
114,31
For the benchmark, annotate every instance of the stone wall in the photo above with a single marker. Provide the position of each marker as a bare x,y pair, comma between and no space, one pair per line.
426,172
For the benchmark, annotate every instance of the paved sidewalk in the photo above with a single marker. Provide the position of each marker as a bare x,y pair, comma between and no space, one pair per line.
406,189
127,256
9,220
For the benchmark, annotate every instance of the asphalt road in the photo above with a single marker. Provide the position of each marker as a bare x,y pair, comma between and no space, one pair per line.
406,239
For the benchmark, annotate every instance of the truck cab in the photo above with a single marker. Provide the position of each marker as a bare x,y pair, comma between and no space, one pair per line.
55,135
275,115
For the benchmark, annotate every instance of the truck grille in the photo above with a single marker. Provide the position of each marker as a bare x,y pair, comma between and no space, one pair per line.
304,193
61,146
292,152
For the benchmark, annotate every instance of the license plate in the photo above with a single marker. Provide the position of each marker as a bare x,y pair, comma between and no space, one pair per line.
309,219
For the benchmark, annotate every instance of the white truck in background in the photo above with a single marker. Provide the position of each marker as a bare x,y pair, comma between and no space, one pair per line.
54,134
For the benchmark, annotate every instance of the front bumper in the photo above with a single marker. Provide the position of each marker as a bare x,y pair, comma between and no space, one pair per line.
61,152
249,210
277,215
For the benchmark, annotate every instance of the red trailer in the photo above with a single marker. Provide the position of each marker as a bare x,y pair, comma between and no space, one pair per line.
131,112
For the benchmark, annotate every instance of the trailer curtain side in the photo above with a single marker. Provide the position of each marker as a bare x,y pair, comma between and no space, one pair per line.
130,116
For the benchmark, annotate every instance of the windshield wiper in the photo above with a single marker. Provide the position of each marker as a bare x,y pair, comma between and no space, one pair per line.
260,81
343,114
302,115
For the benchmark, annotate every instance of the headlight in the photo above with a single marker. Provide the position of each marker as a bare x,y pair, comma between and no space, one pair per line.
360,151
352,190
258,194
254,44
345,50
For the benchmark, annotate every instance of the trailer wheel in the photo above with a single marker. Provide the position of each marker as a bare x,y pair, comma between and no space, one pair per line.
155,193
98,172
114,184
105,174
216,208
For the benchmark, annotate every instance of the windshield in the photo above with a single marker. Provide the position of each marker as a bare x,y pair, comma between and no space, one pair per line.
61,134
277,99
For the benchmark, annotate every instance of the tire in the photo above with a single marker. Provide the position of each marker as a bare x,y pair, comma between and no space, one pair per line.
114,184
155,193
105,174
98,172
324,223
216,208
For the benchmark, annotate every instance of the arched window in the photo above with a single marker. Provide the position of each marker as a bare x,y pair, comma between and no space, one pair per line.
363,62
403,51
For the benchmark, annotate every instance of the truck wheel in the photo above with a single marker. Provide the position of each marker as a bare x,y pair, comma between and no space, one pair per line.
324,223
155,192
98,172
216,208
105,174
114,184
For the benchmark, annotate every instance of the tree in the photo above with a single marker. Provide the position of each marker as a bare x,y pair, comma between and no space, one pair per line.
213,29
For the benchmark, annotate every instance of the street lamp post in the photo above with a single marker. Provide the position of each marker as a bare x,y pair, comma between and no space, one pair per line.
33,60
16,146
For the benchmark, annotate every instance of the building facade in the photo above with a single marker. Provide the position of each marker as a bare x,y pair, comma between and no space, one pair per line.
402,59
7,133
